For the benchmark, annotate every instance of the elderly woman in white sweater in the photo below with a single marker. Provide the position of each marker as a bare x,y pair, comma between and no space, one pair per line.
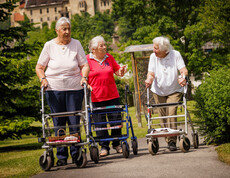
166,75
59,68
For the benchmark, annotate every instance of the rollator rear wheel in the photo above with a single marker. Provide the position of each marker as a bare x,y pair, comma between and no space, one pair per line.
195,140
135,147
153,146
82,161
94,154
125,149
184,144
47,164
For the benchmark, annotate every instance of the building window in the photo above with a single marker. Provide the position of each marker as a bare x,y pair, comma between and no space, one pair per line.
48,19
31,21
31,12
108,3
104,3
55,9
56,18
41,20
40,11
47,10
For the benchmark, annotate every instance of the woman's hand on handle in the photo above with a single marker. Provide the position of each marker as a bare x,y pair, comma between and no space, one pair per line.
149,80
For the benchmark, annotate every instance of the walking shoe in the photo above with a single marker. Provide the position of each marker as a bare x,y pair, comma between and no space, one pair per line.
172,146
118,149
104,152
61,162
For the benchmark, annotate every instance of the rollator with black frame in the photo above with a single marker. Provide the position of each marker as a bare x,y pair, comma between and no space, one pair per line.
125,124
154,132
63,137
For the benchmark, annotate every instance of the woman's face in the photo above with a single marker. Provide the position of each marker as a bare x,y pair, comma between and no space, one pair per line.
101,48
158,52
64,31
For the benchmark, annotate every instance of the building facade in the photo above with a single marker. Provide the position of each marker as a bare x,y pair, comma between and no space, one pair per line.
40,11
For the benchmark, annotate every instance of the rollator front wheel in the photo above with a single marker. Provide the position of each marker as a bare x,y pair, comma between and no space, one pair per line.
80,159
135,147
153,146
125,149
94,154
184,144
45,164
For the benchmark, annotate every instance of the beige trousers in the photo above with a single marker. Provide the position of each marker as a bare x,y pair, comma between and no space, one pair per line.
168,111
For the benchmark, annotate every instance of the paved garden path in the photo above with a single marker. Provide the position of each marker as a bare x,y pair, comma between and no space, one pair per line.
197,163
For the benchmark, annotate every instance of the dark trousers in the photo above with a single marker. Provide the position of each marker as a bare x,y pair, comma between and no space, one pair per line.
111,117
64,101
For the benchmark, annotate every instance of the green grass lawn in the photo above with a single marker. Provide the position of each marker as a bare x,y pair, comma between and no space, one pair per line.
19,158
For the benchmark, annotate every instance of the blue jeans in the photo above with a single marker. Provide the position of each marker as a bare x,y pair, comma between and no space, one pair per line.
65,101
111,117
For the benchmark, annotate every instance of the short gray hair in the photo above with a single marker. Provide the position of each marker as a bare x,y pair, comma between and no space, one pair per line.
61,21
163,43
93,44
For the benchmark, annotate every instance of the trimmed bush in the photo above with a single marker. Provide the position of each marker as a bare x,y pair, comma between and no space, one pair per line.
213,106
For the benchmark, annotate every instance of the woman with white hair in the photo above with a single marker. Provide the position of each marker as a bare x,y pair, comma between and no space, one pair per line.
104,90
59,69
166,75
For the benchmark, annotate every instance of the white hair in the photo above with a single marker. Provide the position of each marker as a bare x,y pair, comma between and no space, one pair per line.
163,43
61,21
93,44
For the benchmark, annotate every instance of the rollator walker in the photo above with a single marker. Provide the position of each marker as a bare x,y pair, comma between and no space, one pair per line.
63,138
125,123
154,133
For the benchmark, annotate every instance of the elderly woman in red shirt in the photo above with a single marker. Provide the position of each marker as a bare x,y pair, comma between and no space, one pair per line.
105,93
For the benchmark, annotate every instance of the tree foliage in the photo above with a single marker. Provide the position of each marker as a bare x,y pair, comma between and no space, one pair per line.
190,24
18,94
213,106
84,27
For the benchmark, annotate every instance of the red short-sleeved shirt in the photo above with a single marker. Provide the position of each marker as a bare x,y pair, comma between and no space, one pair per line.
102,80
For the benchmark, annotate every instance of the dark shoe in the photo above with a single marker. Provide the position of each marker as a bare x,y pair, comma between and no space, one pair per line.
61,162
172,146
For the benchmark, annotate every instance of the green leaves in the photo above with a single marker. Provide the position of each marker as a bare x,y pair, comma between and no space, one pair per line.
84,27
190,25
18,105
213,106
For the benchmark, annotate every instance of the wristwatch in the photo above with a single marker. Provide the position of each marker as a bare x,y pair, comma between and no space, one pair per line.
42,79
86,78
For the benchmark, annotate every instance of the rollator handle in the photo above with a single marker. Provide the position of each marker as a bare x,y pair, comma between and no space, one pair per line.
127,91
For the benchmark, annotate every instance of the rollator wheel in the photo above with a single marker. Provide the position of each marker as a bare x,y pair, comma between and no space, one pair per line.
94,154
125,149
51,154
195,140
82,161
184,144
135,147
153,146
47,164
